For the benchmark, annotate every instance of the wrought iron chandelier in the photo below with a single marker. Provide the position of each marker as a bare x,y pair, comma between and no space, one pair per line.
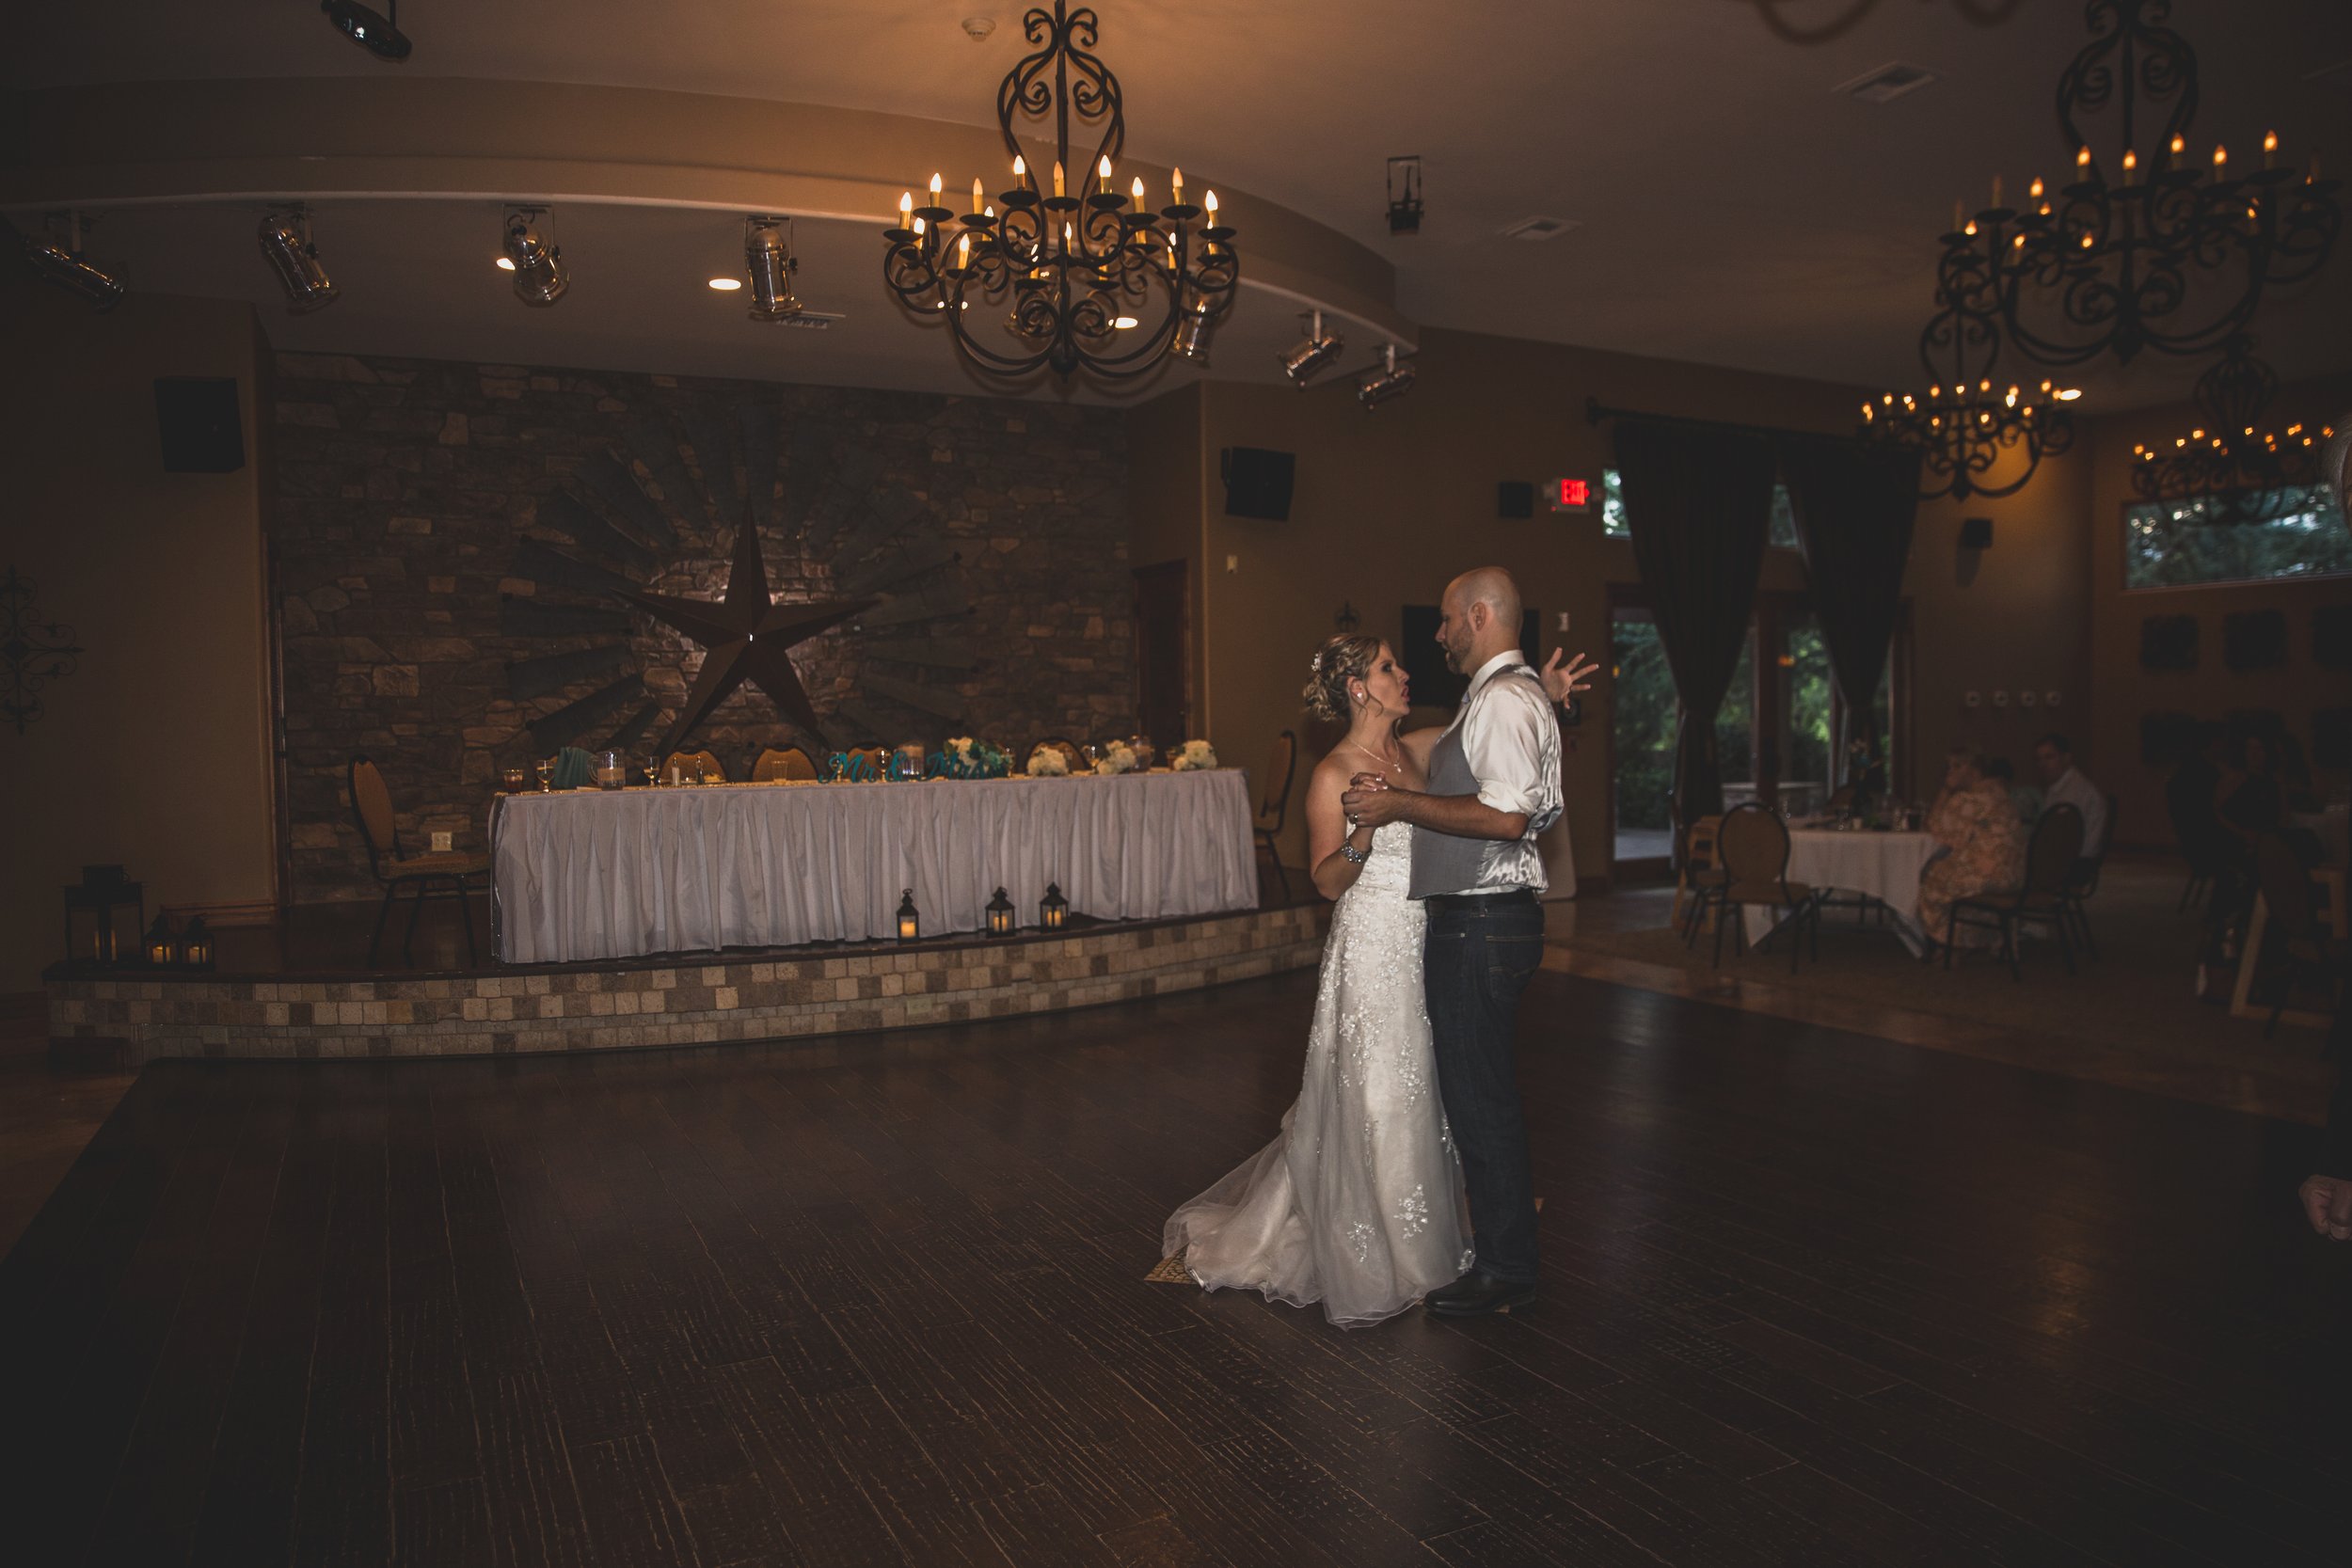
2234,473
1095,281
2160,250
1967,425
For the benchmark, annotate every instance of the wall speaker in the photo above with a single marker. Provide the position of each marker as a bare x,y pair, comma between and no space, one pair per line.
1976,533
197,424
1515,498
1258,482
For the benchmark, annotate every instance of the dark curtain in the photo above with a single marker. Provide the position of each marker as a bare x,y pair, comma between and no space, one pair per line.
1854,506
1698,503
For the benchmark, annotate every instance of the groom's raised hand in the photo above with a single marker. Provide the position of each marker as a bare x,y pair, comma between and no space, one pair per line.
1562,685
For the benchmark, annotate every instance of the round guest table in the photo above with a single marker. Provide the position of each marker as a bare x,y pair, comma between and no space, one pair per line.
1884,867
590,873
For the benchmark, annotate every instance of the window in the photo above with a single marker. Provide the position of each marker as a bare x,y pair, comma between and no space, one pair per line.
2176,544
1781,535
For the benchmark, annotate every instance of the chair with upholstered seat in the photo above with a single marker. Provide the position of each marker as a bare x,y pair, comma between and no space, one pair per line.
443,874
1702,873
2039,899
1754,846
1273,805
783,762
687,763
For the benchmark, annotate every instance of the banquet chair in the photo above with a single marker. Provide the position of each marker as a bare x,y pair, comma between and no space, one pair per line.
1753,841
686,762
1702,873
444,874
1069,750
2082,881
787,762
1275,804
2050,855
2306,950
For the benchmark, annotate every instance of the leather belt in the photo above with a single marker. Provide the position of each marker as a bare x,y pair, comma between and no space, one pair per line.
1480,901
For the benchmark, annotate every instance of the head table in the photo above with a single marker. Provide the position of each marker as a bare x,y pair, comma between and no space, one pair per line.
589,874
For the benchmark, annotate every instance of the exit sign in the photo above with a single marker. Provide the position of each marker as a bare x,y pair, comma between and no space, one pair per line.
1569,494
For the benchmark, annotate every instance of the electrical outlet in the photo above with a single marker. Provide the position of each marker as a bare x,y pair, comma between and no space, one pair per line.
1564,620
442,843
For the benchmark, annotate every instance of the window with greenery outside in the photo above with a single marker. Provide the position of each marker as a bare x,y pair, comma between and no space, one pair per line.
2296,533
1782,533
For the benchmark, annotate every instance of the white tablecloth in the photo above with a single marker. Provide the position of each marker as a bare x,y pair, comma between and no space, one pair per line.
1886,866
601,874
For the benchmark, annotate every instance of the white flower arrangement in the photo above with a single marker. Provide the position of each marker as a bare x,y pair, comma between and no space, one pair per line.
1047,762
1117,758
1194,757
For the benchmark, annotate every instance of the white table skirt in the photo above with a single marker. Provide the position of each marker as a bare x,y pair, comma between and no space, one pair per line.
1886,866
601,874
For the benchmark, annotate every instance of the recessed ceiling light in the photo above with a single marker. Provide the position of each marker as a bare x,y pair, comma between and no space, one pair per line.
1887,83
1123,322
505,264
727,285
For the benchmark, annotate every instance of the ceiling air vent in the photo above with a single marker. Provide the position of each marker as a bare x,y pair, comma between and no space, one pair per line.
1538,228
1887,84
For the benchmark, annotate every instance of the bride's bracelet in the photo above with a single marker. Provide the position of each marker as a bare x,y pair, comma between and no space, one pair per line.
1353,855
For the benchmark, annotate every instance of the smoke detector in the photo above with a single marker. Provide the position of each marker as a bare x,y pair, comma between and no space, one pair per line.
1538,228
1887,83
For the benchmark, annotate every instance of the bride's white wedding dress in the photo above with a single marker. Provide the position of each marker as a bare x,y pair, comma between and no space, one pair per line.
1358,1203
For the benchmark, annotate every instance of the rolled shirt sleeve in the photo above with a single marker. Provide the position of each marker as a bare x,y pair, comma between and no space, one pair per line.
1512,745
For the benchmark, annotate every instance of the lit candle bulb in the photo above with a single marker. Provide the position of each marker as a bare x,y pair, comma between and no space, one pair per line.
976,194
964,250
2270,149
1103,175
1176,186
1138,193
935,189
988,209
906,207
1057,176
2035,189
1019,173
2082,160
2220,162
2180,144
1209,202
918,228
2131,165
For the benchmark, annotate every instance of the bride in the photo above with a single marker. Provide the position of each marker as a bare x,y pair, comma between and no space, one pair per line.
1358,1202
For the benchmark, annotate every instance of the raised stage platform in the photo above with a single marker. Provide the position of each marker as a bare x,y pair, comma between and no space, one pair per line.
289,1011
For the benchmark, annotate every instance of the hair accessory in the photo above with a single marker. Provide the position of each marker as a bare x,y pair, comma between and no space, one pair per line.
1315,667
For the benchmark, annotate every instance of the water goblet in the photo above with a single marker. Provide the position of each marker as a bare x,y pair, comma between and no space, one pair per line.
546,774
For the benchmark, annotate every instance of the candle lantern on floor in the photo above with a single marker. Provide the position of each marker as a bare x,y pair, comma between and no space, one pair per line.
1053,913
162,947
196,944
1000,915
909,925
94,933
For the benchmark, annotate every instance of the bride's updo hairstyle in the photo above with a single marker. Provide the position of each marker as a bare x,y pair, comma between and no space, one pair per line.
1340,659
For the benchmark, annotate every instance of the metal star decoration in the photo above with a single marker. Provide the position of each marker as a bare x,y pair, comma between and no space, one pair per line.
746,636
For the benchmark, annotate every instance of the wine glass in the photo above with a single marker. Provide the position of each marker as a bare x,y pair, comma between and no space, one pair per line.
652,770
546,774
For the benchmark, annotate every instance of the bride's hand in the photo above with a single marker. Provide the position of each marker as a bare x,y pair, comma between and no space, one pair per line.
1562,685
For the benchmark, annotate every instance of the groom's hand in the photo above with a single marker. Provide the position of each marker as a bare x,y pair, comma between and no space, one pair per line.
1370,800
1562,685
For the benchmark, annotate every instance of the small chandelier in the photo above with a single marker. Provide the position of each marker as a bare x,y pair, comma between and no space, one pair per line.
1966,424
2156,252
2232,472
1095,281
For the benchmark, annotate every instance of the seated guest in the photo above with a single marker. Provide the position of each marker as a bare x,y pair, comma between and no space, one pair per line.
1984,848
2063,783
2027,798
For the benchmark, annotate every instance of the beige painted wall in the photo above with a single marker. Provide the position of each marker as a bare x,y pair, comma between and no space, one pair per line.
2212,690
154,752
1389,504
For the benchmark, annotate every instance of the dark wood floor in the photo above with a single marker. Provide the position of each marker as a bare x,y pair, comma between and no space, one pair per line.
1808,1299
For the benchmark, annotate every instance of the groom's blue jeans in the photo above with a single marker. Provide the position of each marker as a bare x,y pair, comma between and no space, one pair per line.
1479,954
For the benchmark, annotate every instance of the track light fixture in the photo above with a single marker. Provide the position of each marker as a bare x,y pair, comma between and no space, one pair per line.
1303,360
285,238
1405,194
767,259
372,31
1393,377
65,266
536,262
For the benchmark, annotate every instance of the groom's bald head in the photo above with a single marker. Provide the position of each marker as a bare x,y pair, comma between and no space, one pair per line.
1479,617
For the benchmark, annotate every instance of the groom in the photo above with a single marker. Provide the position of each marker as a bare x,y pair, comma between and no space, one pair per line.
1494,784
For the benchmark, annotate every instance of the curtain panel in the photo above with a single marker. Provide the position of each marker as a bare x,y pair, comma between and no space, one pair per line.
1854,506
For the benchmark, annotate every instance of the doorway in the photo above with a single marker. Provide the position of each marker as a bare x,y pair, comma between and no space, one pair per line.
1164,653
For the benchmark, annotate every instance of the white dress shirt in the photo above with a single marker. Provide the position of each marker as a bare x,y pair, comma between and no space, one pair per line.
1512,743
2072,790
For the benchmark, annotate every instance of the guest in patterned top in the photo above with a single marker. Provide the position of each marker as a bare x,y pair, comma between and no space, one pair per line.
1984,846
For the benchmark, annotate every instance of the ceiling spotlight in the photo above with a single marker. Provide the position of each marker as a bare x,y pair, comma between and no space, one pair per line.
65,266
380,35
1190,341
769,262
536,262
727,285
1405,195
286,245
1311,353
1390,378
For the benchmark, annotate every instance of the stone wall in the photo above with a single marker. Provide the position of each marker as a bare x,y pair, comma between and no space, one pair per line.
452,540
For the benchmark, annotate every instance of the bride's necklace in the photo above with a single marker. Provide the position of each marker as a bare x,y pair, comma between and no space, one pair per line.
1388,765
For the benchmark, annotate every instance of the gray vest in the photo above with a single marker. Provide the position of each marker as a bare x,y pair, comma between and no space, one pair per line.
1442,863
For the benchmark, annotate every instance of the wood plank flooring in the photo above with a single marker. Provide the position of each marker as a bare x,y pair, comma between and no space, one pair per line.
1808,1298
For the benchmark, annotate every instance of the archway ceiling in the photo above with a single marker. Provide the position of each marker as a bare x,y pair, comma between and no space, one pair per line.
1732,208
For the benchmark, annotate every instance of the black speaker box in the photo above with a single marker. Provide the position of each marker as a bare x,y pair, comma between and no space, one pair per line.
1258,482
1515,498
197,423
1976,533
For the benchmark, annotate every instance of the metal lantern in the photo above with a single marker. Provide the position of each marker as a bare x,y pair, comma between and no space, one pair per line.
196,944
91,932
162,947
1000,915
910,924
1053,913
